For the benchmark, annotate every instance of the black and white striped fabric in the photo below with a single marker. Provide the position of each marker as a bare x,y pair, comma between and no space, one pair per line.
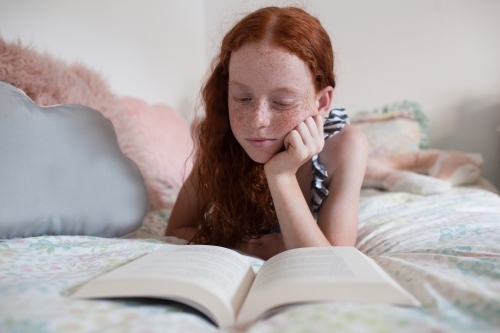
335,121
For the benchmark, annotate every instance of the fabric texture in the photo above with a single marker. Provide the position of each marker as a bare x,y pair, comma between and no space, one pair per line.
399,159
443,249
63,173
438,170
394,129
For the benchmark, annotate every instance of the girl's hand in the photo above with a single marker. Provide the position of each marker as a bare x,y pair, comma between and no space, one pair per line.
301,144
264,247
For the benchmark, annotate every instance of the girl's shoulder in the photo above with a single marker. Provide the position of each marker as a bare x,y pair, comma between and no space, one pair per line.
346,146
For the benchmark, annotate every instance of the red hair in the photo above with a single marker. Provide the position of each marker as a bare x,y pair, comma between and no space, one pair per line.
233,197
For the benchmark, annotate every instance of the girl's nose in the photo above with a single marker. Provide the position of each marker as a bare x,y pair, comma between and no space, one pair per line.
261,114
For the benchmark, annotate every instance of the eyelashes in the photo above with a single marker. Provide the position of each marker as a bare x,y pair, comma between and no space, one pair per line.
283,105
276,104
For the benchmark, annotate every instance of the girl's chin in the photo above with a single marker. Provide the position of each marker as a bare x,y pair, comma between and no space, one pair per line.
260,156
260,161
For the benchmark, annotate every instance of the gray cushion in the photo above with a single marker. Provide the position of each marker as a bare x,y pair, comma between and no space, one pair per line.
63,173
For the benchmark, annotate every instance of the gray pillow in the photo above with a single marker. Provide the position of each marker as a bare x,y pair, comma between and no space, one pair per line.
63,173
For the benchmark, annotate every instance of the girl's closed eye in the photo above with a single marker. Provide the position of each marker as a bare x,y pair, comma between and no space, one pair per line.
242,99
284,104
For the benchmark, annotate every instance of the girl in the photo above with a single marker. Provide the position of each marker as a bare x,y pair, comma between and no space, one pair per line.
265,179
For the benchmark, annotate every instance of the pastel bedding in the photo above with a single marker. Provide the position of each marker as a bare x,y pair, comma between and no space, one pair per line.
444,249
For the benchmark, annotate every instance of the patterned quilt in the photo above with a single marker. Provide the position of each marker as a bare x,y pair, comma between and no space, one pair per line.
444,249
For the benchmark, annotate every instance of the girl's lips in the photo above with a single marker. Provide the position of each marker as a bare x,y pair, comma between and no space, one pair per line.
260,142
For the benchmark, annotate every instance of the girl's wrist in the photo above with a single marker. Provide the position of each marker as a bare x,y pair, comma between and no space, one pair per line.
283,179
272,170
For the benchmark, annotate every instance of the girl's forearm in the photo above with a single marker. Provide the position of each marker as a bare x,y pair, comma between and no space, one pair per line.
186,233
297,224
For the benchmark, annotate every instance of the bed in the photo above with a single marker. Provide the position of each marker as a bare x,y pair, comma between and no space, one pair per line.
443,248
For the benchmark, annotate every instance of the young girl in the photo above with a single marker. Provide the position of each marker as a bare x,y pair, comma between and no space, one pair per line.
265,179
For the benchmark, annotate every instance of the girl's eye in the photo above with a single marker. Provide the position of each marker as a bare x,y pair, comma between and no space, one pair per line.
243,100
283,105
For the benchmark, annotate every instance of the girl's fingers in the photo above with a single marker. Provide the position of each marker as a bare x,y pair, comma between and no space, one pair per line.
293,140
320,125
302,143
316,125
305,132
294,145
311,131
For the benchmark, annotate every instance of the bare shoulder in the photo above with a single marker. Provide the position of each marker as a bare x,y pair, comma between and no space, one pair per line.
345,156
346,149
348,143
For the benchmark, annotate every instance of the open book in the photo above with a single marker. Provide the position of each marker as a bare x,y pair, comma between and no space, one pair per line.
222,284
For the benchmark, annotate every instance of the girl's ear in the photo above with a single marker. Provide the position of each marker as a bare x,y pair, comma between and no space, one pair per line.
324,100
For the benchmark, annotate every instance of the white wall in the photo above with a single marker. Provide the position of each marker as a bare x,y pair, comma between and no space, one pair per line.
444,54
150,49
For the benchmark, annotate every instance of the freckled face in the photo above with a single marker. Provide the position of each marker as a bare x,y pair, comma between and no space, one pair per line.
270,92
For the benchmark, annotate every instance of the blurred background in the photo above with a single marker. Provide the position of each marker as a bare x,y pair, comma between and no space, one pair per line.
442,54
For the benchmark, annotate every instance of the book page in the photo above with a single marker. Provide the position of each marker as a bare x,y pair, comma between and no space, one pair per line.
215,268
313,265
202,274
320,274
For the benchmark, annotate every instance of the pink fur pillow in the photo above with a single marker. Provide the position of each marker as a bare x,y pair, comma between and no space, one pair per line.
49,81
159,141
155,137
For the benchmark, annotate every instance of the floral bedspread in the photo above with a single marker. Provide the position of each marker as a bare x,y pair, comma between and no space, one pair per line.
444,249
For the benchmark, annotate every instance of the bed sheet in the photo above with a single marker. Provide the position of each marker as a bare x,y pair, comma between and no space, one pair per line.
444,249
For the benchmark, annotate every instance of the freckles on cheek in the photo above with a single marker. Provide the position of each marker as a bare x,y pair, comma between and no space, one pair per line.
289,121
236,119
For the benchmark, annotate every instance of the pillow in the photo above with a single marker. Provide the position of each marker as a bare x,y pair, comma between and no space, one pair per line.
50,81
159,141
394,129
155,137
63,173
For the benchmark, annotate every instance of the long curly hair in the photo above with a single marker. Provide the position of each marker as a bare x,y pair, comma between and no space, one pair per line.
234,201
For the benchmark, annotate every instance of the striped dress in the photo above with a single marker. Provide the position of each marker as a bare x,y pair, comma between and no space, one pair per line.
335,121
